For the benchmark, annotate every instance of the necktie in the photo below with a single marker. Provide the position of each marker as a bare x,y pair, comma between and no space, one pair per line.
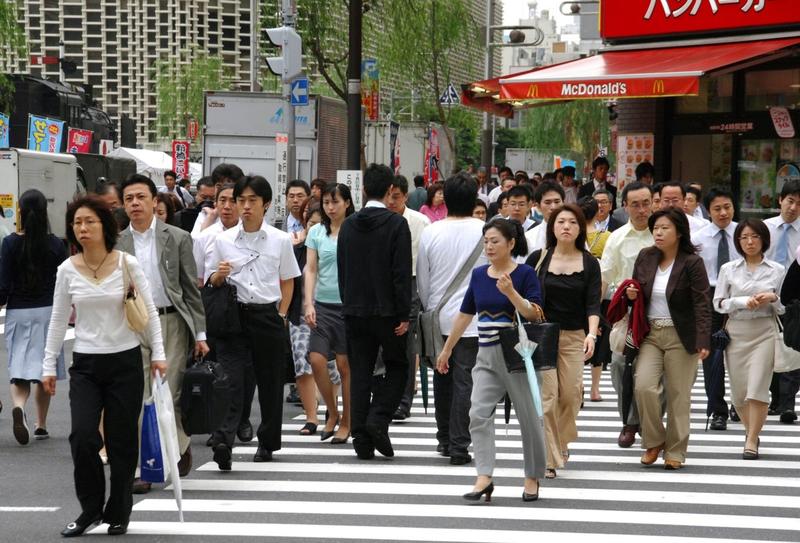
782,249
723,250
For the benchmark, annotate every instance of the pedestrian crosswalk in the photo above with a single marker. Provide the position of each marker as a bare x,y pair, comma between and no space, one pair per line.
314,491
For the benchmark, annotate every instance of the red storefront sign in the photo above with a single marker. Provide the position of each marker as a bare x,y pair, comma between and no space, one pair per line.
636,19
79,140
180,158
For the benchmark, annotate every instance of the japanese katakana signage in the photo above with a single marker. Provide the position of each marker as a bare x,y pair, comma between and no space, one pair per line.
631,19
44,134
79,140
180,158
4,133
782,121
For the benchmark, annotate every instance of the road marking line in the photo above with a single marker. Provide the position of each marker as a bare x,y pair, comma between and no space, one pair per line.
7,509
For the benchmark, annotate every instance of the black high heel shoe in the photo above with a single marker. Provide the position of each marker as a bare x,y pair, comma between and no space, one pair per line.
531,497
80,525
476,496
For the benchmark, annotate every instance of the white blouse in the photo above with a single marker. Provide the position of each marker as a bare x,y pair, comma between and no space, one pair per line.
736,284
659,308
100,325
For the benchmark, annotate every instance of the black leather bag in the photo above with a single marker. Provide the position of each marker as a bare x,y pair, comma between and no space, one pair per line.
222,310
791,326
545,357
205,397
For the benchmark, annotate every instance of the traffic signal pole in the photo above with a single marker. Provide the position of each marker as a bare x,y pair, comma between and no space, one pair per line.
289,117
354,88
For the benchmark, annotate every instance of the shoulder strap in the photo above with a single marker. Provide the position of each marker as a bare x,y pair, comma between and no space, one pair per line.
462,274
542,256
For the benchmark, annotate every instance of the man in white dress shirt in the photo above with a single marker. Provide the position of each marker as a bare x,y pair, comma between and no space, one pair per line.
716,248
397,201
673,194
171,186
784,232
548,196
259,261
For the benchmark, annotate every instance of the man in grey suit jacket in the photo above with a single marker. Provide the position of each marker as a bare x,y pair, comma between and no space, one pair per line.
165,254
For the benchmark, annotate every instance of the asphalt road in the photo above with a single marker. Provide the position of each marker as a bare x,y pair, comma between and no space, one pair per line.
318,492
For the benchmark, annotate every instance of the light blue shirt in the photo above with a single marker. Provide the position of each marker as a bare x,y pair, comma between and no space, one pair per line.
327,289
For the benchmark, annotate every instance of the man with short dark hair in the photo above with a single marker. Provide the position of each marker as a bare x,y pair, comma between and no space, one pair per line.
418,198
520,201
603,221
568,183
184,197
195,219
374,262
165,254
505,185
693,202
716,248
259,261
444,249
673,194
548,196
485,184
645,174
226,173
317,186
599,180
297,192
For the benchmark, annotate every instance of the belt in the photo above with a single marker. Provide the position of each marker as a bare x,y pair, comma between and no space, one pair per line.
661,323
166,310
257,307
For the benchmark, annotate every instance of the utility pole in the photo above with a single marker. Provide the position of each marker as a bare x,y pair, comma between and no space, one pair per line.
354,88
254,56
487,137
289,10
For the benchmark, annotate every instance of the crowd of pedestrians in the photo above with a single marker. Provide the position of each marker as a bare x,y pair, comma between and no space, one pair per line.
349,303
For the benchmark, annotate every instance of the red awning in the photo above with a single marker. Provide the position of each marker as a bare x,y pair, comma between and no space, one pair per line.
484,95
673,71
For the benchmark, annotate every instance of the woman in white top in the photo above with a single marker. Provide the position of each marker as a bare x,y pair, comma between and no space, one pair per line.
748,292
106,372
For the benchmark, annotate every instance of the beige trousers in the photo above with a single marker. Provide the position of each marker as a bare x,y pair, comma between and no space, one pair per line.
561,396
176,337
663,359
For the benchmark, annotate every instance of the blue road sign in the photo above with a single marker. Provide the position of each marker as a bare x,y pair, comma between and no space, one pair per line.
299,92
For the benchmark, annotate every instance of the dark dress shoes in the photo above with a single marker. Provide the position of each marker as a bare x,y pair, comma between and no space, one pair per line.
460,459
222,456
262,455
718,422
245,432
364,449
443,450
81,524
627,436
117,529
141,487
380,439
185,463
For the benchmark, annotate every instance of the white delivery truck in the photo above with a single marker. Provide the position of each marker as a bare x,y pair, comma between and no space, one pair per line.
240,128
412,143
54,174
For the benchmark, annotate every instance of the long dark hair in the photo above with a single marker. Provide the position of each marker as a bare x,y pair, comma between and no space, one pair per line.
335,190
510,230
35,242
678,218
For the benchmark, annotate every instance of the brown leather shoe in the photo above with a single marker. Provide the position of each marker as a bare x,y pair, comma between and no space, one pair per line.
185,463
627,436
672,465
140,487
651,455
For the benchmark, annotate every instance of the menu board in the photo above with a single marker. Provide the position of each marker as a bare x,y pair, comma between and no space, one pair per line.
632,150
765,166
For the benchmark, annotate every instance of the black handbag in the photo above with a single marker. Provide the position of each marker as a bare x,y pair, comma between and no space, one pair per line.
222,310
545,357
205,397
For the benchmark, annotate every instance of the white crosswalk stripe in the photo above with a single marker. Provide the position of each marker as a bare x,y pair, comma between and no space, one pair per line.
318,492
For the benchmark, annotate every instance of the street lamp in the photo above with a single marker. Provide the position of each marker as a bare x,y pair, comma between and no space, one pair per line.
575,8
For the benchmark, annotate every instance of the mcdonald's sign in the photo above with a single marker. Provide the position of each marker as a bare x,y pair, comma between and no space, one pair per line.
658,86
533,91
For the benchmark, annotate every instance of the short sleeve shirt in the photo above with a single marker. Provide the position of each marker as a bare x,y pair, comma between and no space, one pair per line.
327,289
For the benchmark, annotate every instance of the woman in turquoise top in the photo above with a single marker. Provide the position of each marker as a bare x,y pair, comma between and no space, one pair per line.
323,307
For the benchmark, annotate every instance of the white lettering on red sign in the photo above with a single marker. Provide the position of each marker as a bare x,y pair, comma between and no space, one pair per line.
693,6
600,89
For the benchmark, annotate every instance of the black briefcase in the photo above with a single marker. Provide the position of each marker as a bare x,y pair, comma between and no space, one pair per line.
222,310
205,397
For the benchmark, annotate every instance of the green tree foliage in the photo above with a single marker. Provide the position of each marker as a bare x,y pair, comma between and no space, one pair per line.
505,138
180,89
12,44
425,37
465,126
580,126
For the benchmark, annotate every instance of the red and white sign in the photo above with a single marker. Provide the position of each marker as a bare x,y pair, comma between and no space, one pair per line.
601,88
180,158
37,60
79,140
192,129
632,19
782,121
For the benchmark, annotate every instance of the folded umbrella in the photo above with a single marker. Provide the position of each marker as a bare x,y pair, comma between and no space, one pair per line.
423,385
168,433
716,367
526,348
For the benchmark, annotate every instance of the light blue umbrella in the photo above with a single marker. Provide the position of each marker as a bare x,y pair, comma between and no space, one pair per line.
526,348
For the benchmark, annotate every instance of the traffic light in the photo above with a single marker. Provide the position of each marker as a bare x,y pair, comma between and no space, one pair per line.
290,64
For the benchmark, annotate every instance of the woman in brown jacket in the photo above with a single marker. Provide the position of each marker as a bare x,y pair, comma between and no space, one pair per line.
676,293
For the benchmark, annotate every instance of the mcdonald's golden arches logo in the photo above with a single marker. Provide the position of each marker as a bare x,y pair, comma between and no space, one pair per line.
658,86
533,91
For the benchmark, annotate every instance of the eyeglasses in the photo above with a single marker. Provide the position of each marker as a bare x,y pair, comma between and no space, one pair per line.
749,237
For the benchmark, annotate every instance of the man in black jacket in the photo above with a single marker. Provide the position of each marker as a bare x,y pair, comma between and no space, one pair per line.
600,168
374,260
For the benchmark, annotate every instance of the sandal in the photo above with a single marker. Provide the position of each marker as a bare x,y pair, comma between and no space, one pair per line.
550,473
309,429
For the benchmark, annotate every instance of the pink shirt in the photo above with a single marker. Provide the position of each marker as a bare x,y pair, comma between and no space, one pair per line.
436,213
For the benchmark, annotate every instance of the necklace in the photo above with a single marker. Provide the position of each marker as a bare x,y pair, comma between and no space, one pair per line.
94,270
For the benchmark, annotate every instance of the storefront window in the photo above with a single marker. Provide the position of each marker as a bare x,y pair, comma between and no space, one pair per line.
764,167
703,159
768,88
715,97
